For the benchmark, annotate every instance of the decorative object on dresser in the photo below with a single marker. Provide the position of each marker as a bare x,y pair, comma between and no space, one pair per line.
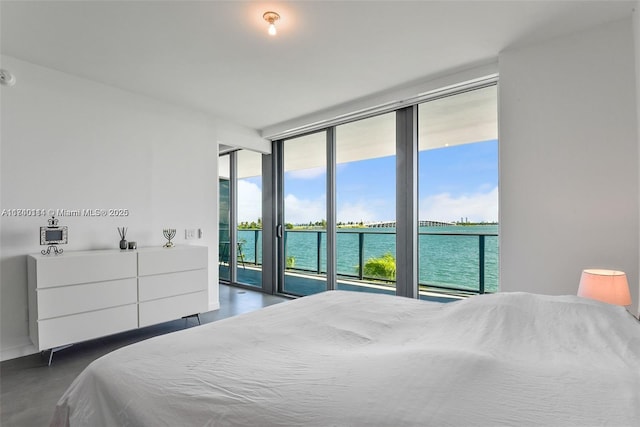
53,235
89,294
123,234
169,233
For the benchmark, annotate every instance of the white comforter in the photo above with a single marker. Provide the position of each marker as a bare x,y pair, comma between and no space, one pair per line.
356,359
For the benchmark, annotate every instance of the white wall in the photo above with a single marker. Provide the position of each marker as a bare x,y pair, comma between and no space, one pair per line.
569,161
69,143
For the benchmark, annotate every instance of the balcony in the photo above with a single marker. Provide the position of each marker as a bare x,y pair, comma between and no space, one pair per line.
451,264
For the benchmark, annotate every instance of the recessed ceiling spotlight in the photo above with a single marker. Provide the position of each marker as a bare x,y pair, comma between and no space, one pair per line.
6,78
271,18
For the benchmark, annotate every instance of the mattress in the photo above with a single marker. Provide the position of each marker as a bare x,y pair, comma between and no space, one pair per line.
355,359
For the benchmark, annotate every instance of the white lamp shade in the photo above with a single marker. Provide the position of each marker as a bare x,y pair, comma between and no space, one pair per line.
605,285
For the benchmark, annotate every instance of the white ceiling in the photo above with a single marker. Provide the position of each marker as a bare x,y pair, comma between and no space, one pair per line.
216,56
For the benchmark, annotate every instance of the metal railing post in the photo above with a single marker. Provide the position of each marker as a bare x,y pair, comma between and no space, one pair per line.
481,263
255,247
361,255
318,247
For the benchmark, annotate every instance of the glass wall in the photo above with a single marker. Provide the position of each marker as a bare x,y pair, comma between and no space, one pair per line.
366,204
457,203
305,210
458,191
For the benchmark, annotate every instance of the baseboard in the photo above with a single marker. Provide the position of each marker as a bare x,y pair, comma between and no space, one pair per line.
18,349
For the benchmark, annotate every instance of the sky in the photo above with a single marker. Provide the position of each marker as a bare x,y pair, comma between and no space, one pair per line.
454,183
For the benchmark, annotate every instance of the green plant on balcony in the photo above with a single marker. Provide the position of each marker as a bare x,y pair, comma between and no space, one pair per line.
383,267
291,262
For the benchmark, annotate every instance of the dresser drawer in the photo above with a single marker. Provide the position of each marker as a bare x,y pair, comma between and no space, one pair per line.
170,284
165,309
169,260
82,267
85,326
65,300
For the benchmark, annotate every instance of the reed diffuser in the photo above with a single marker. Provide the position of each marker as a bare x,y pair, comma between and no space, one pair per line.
122,231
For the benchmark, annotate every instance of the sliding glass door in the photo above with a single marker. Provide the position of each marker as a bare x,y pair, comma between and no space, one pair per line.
458,192
240,218
366,204
305,215
249,218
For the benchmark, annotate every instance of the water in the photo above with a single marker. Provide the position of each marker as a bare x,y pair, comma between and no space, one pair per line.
444,259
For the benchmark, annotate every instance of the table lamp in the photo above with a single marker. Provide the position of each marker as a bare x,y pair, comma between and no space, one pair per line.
609,286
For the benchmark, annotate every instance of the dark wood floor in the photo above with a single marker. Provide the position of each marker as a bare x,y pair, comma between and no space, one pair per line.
30,389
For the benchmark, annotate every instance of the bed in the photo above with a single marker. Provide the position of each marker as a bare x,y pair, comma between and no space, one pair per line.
344,358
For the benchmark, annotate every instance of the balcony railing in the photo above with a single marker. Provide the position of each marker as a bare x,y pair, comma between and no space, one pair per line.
455,261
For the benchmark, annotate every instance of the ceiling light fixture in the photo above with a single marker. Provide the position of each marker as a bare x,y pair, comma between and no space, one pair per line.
271,18
6,78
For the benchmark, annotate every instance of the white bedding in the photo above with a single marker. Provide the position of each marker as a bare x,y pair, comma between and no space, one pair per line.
356,359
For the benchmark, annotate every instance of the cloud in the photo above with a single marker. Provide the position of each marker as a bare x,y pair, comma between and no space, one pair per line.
297,211
356,212
475,207
312,173
249,201
303,211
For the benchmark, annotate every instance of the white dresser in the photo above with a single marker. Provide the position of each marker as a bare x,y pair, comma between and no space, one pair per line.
87,294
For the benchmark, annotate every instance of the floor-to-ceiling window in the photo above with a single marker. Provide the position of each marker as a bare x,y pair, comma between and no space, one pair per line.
433,163
458,191
305,208
366,204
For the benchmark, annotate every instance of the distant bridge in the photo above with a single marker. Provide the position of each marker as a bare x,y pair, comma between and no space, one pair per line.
421,223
